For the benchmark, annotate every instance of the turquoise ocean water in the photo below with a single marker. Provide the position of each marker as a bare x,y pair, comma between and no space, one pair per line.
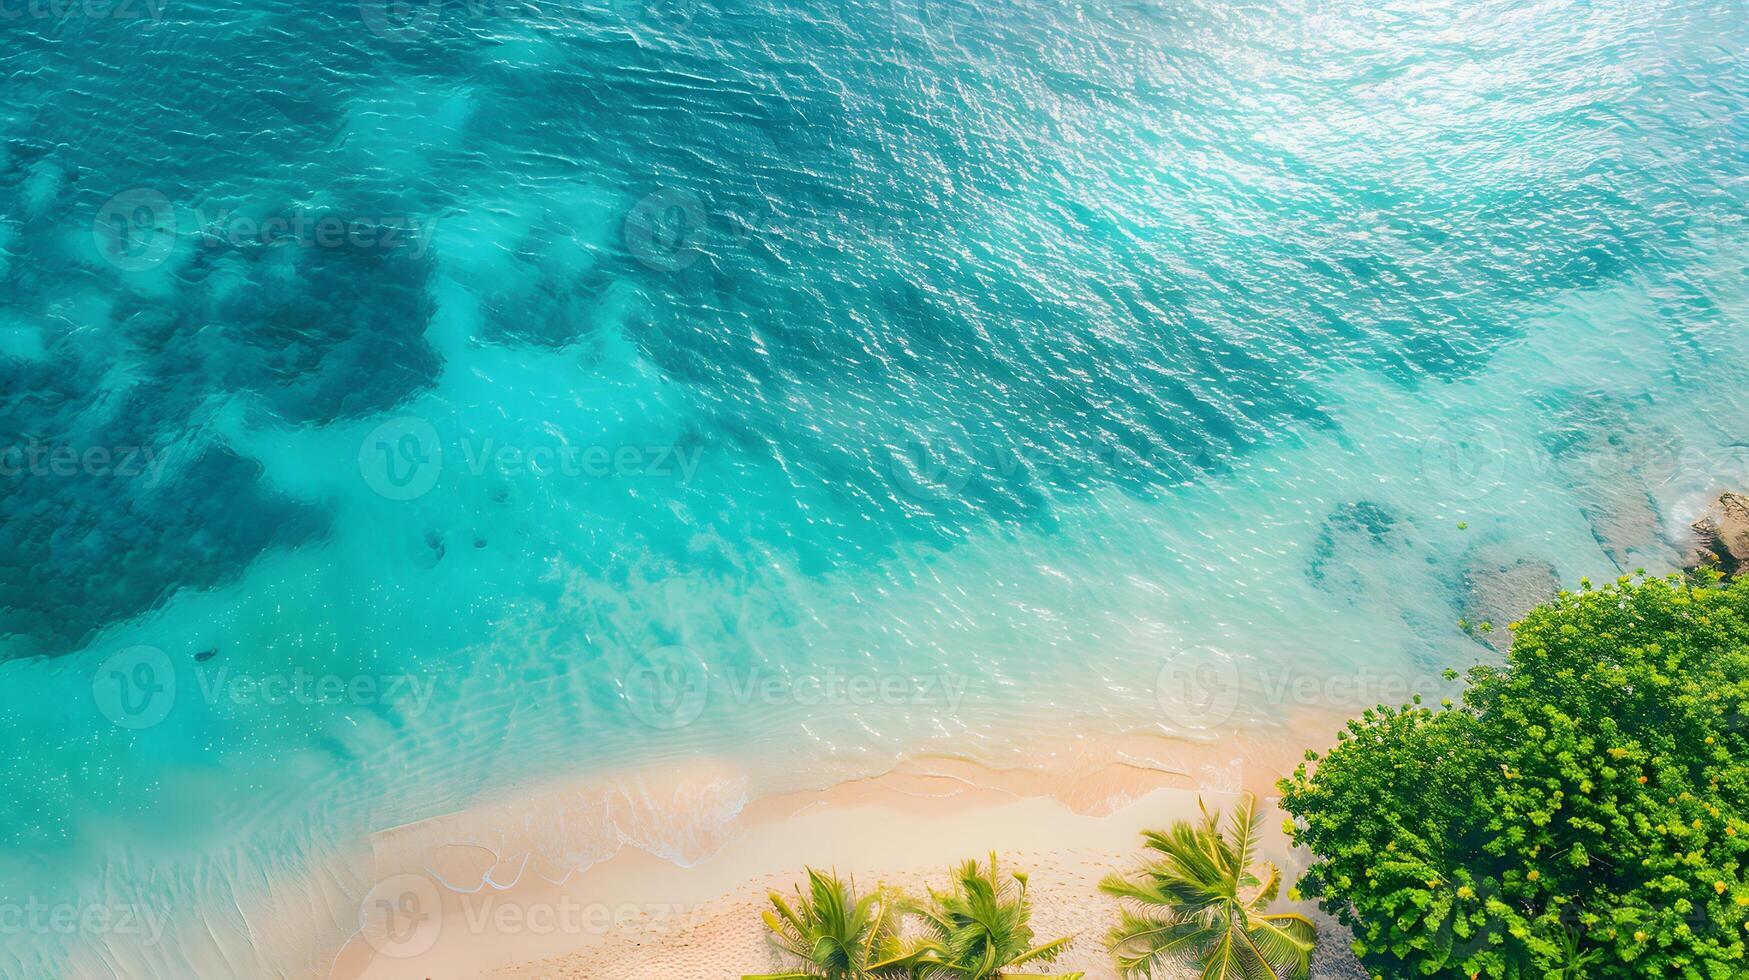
409,403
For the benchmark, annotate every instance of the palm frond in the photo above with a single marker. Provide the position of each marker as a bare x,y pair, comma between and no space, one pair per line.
1286,942
1201,903
1243,847
1142,945
1044,953
977,929
1221,962
829,931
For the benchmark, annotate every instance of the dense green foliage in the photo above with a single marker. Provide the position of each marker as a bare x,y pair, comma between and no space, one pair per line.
1580,814
1198,903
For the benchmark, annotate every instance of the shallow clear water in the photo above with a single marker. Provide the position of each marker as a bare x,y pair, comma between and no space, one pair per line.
489,395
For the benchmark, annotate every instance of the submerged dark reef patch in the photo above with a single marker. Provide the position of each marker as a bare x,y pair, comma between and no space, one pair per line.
1017,252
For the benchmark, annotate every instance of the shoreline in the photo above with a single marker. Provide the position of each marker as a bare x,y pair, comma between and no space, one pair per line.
638,915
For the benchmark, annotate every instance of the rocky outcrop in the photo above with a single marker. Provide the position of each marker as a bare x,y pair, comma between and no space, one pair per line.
1346,555
1499,590
1721,536
1610,459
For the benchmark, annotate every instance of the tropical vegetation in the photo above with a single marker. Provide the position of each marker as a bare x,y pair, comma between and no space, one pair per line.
980,928
1583,812
832,932
1199,903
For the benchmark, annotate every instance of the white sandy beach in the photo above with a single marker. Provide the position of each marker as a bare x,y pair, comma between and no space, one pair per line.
641,917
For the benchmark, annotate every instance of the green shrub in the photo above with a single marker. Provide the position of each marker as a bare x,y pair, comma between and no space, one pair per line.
1580,814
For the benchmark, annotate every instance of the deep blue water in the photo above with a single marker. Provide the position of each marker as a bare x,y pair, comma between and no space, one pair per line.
1028,345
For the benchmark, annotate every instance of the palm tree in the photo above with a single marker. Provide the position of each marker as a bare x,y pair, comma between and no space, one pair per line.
1200,905
831,932
980,929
